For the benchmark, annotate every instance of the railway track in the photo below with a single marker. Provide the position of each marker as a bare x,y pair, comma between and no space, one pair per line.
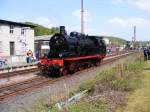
26,86
38,81
30,70
17,88
19,72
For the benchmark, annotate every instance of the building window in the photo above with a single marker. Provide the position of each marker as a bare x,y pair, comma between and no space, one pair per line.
22,31
11,29
12,48
1,47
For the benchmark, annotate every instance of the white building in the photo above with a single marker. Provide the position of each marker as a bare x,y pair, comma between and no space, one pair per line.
41,45
15,38
107,41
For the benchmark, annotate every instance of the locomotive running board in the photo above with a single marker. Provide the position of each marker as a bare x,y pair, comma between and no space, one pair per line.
86,57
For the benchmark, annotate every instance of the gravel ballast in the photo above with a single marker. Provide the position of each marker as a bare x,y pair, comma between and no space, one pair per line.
56,90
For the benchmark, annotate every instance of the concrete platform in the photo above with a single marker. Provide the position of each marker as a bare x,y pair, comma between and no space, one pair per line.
17,66
8,62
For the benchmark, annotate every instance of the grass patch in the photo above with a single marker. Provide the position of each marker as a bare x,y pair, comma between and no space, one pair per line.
107,90
87,106
139,100
110,86
116,78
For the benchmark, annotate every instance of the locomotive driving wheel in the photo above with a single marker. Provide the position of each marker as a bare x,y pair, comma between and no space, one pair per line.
72,67
97,63
63,71
81,67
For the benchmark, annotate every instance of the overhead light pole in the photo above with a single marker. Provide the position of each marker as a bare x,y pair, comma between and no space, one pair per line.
134,38
82,17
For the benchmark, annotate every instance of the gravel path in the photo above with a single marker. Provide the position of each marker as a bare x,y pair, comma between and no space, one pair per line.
24,103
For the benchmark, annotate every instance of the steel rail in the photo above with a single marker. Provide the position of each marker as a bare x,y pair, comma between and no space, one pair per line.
39,81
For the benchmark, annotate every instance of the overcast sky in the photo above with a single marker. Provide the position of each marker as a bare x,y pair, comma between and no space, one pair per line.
102,17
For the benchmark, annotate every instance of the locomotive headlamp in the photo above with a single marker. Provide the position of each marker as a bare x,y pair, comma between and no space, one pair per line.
60,55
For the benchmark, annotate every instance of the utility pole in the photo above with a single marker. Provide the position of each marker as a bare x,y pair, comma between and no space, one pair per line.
134,38
82,17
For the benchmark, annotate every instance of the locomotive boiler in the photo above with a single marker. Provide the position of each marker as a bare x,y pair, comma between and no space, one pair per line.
70,53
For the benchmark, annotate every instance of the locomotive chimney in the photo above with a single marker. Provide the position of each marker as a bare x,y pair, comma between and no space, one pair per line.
62,30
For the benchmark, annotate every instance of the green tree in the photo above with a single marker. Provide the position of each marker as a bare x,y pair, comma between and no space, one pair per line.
41,30
136,44
116,40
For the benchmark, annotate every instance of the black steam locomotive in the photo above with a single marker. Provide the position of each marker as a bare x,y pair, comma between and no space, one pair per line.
75,45
69,53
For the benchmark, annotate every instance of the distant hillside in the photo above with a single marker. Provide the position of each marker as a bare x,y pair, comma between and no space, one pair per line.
144,43
41,30
116,40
